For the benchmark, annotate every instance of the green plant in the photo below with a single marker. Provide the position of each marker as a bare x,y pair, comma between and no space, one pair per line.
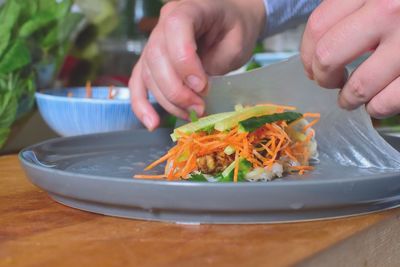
32,32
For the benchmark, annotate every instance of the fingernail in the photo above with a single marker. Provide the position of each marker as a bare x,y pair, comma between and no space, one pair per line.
198,109
344,104
195,83
148,122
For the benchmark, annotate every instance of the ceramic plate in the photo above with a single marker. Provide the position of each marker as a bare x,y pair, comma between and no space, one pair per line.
94,173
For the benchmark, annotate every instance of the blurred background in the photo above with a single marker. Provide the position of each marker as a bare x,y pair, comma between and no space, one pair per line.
68,42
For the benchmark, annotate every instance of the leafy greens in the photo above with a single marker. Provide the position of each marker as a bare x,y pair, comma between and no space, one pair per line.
32,32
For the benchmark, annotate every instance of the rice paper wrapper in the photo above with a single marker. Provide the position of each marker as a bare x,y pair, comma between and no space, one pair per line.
345,137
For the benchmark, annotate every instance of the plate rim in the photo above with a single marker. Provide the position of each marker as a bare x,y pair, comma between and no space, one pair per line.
277,183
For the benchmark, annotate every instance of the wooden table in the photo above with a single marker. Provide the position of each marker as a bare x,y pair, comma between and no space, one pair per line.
36,231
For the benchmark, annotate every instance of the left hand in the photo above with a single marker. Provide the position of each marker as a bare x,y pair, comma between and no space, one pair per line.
339,31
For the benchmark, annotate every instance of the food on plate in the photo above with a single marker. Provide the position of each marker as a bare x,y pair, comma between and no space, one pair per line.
256,143
89,91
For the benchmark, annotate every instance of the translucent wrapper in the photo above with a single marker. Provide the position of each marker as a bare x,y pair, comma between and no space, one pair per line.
344,137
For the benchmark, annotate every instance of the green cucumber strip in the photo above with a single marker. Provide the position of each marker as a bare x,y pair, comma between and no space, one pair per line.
254,123
244,167
229,150
202,123
244,114
228,169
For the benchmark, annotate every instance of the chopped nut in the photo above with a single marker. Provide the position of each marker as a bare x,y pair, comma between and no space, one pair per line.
214,163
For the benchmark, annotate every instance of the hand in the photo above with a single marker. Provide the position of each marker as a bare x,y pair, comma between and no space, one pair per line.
193,39
339,31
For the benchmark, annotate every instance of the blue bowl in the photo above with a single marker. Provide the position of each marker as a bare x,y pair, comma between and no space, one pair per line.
77,115
266,59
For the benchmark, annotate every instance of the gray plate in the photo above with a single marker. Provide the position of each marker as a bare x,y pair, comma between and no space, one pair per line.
94,173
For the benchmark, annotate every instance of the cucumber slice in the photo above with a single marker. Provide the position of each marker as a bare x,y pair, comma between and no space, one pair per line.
254,123
228,169
244,167
223,121
244,114
202,123
229,150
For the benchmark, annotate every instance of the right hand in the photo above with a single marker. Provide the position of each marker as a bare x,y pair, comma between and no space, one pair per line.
193,39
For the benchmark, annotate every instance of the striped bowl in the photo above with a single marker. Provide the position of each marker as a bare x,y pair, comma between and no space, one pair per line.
76,114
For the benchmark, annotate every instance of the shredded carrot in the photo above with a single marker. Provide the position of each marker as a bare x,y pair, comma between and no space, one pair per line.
111,93
89,93
312,115
160,160
259,156
288,152
309,168
236,170
262,148
278,106
149,176
309,136
311,124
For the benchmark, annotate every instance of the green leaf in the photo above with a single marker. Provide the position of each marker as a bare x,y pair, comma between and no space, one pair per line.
47,6
259,48
8,108
101,13
169,121
62,31
64,8
4,132
4,39
25,88
50,39
253,65
15,58
197,178
36,23
254,123
225,179
9,15
193,116
28,8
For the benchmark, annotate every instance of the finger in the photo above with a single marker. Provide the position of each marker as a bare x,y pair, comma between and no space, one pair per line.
377,72
225,57
140,104
327,14
387,102
181,26
343,43
167,80
161,99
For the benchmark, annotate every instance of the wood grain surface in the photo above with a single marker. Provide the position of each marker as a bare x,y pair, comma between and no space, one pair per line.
36,231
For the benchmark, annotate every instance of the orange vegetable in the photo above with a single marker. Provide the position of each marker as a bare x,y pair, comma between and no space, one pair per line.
262,148
111,93
144,176
88,87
